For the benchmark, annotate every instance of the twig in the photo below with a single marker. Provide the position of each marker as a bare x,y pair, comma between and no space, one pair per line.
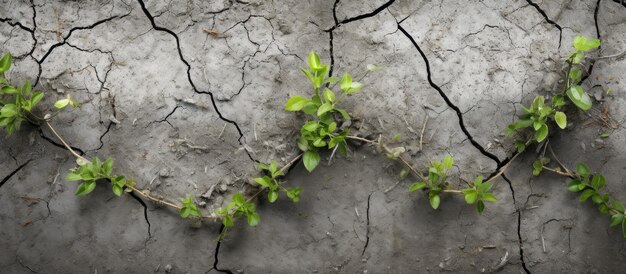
422,133
618,55
222,132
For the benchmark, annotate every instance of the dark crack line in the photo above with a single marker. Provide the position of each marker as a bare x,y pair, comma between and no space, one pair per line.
8,177
24,265
367,231
166,117
459,114
519,225
145,213
182,58
217,252
104,134
331,43
545,16
67,36
80,151
360,17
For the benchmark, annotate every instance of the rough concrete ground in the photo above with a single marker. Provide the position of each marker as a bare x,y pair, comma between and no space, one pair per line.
198,88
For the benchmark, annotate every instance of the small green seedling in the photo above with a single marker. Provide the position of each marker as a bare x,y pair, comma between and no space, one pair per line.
90,172
436,182
323,130
238,207
189,208
589,185
537,115
274,185
479,194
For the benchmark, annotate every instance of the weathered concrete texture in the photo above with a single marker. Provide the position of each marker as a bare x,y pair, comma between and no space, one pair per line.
187,95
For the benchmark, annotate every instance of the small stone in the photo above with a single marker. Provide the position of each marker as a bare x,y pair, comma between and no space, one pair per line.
202,204
223,188
164,173
168,268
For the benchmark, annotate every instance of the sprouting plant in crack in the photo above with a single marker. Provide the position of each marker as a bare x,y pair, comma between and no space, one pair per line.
436,183
590,186
539,113
324,130
274,185
238,207
18,105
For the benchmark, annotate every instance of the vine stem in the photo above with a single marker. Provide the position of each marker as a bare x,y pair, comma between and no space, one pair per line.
133,188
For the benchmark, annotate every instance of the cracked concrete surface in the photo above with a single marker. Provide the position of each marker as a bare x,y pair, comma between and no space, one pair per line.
187,95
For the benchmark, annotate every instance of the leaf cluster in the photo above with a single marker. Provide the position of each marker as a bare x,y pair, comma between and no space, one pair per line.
322,130
89,172
238,207
589,186
189,208
436,181
479,194
274,185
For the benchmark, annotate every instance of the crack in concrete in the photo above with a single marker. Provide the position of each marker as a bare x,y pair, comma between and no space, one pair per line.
545,16
67,36
331,43
361,16
519,224
78,150
447,100
145,213
367,231
8,177
216,255
592,62
166,117
182,58
32,31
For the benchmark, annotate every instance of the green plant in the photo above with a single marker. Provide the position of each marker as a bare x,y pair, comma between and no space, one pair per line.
17,101
322,131
436,181
238,207
91,171
537,115
274,185
479,194
189,208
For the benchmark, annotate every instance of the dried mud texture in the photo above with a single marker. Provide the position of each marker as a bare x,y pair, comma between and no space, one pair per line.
187,95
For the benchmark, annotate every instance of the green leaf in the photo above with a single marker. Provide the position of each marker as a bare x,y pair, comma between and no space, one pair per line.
85,188
62,103
596,198
328,95
574,186
471,196
265,181
434,201
314,61
520,146
331,80
598,182
294,194
326,107
117,190
537,167
417,186
311,159
272,196
107,167
542,133
346,82
8,110
586,194
253,218
616,219
295,103
558,101
9,90
26,88
560,119
619,206
577,57
344,114
239,199
185,212
37,96
448,161
354,88
404,172
308,74
228,220
583,44
5,62
311,126
579,97
488,197
73,177
262,166
480,206
575,74
583,170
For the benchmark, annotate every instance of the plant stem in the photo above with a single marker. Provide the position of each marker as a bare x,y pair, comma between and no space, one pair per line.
133,188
